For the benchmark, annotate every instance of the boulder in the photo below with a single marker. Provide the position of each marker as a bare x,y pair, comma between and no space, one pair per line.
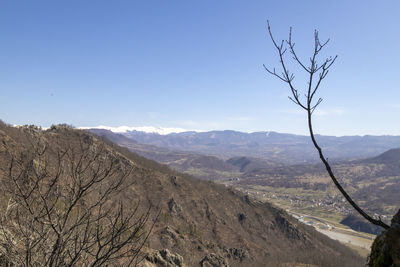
170,237
238,254
163,258
174,208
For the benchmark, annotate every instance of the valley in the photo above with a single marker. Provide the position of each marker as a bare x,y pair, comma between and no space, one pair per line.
299,188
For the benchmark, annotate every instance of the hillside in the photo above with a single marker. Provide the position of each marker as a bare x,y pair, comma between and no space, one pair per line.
198,220
390,157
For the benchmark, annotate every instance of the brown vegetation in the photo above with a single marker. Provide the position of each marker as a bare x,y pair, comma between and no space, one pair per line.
61,201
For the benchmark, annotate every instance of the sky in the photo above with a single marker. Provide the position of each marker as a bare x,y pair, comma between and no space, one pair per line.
196,65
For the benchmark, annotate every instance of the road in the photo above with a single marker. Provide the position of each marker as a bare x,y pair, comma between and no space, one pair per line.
332,230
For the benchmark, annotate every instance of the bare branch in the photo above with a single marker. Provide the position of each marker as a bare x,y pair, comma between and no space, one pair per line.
61,210
319,71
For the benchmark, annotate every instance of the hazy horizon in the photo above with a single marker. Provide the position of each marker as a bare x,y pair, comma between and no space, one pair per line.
172,130
168,130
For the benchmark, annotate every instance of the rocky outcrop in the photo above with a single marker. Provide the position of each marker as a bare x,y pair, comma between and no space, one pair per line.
174,181
170,237
288,228
238,254
213,260
174,208
385,250
163,258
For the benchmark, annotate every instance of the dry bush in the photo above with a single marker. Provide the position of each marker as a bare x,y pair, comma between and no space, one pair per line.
61,203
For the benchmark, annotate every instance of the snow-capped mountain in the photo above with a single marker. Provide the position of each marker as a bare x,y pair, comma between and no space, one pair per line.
146,129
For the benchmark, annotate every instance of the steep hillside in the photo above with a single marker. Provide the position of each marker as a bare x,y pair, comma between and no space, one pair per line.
198,220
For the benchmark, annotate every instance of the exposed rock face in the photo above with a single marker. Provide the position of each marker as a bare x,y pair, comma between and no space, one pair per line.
386,247
163,258
288,228
174,181
238,254
213,260
170,236
174,208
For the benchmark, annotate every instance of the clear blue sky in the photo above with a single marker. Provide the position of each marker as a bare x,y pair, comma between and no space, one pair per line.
195,64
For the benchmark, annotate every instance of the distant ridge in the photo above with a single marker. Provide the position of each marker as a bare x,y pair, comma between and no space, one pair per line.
391,156
280,148
146,129
178,130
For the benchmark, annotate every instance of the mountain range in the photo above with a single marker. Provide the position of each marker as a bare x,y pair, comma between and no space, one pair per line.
272,146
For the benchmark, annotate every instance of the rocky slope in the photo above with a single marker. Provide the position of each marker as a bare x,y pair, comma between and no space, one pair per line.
200,223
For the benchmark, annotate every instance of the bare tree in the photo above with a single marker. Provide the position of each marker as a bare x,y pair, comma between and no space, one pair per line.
64,206
316,74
